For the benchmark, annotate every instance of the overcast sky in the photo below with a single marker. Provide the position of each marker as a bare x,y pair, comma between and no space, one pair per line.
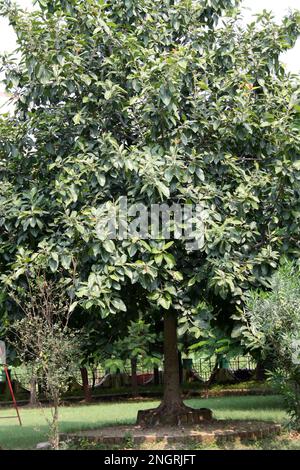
279,7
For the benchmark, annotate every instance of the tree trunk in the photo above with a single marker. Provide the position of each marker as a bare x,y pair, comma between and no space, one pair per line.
172,394
172,411
54,428
85,384
156,375
94,379
134,379
33,394
180,368
117,380
260,371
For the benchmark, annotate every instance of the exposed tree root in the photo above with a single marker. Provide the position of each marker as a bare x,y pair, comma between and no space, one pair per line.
173,414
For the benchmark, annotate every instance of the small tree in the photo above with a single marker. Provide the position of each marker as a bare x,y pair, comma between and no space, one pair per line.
272,324
44,341
136,346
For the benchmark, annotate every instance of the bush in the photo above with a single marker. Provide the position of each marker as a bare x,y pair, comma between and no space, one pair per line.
272,324
288,385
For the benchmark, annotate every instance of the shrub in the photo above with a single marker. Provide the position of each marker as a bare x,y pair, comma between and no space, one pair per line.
272,324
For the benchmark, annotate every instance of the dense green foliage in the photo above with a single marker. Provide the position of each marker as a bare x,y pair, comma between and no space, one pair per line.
160,101
138,343
272,325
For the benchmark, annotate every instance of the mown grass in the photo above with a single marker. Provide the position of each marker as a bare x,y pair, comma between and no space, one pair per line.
80,417
197,387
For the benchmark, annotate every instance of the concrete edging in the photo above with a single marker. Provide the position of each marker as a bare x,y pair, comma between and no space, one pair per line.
121,434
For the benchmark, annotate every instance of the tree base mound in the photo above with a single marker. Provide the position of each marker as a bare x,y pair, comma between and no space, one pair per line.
173,416
208,432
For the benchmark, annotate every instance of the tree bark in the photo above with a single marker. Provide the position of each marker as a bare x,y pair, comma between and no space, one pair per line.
180,368
85,384
172,393
33,394
134,379
94,378
172,411
117,380
260,371
54,427
156,375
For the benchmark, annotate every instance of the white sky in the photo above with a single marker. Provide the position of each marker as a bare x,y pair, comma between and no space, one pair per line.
279,8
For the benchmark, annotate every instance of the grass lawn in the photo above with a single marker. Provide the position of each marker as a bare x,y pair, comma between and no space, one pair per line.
81,417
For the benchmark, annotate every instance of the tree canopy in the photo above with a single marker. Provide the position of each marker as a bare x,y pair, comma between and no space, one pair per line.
162,102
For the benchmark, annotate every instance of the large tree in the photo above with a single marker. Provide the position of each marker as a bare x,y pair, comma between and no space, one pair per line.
159,101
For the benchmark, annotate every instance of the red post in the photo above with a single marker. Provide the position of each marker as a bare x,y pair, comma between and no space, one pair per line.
12,394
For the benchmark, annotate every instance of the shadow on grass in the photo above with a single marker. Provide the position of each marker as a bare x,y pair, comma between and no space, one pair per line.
79,418
25,437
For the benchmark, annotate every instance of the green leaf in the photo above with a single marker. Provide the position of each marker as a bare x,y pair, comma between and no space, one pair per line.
74,192
177,276
199,345
296,165
53,262
168,245
165,95
236,332
158,259
77,118
66,261
202,85
170,259
108,94
164,302
200,174
163,189
86,79
119,304
101,179
109,246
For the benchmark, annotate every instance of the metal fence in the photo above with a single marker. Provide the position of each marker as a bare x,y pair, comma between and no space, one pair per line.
202,368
